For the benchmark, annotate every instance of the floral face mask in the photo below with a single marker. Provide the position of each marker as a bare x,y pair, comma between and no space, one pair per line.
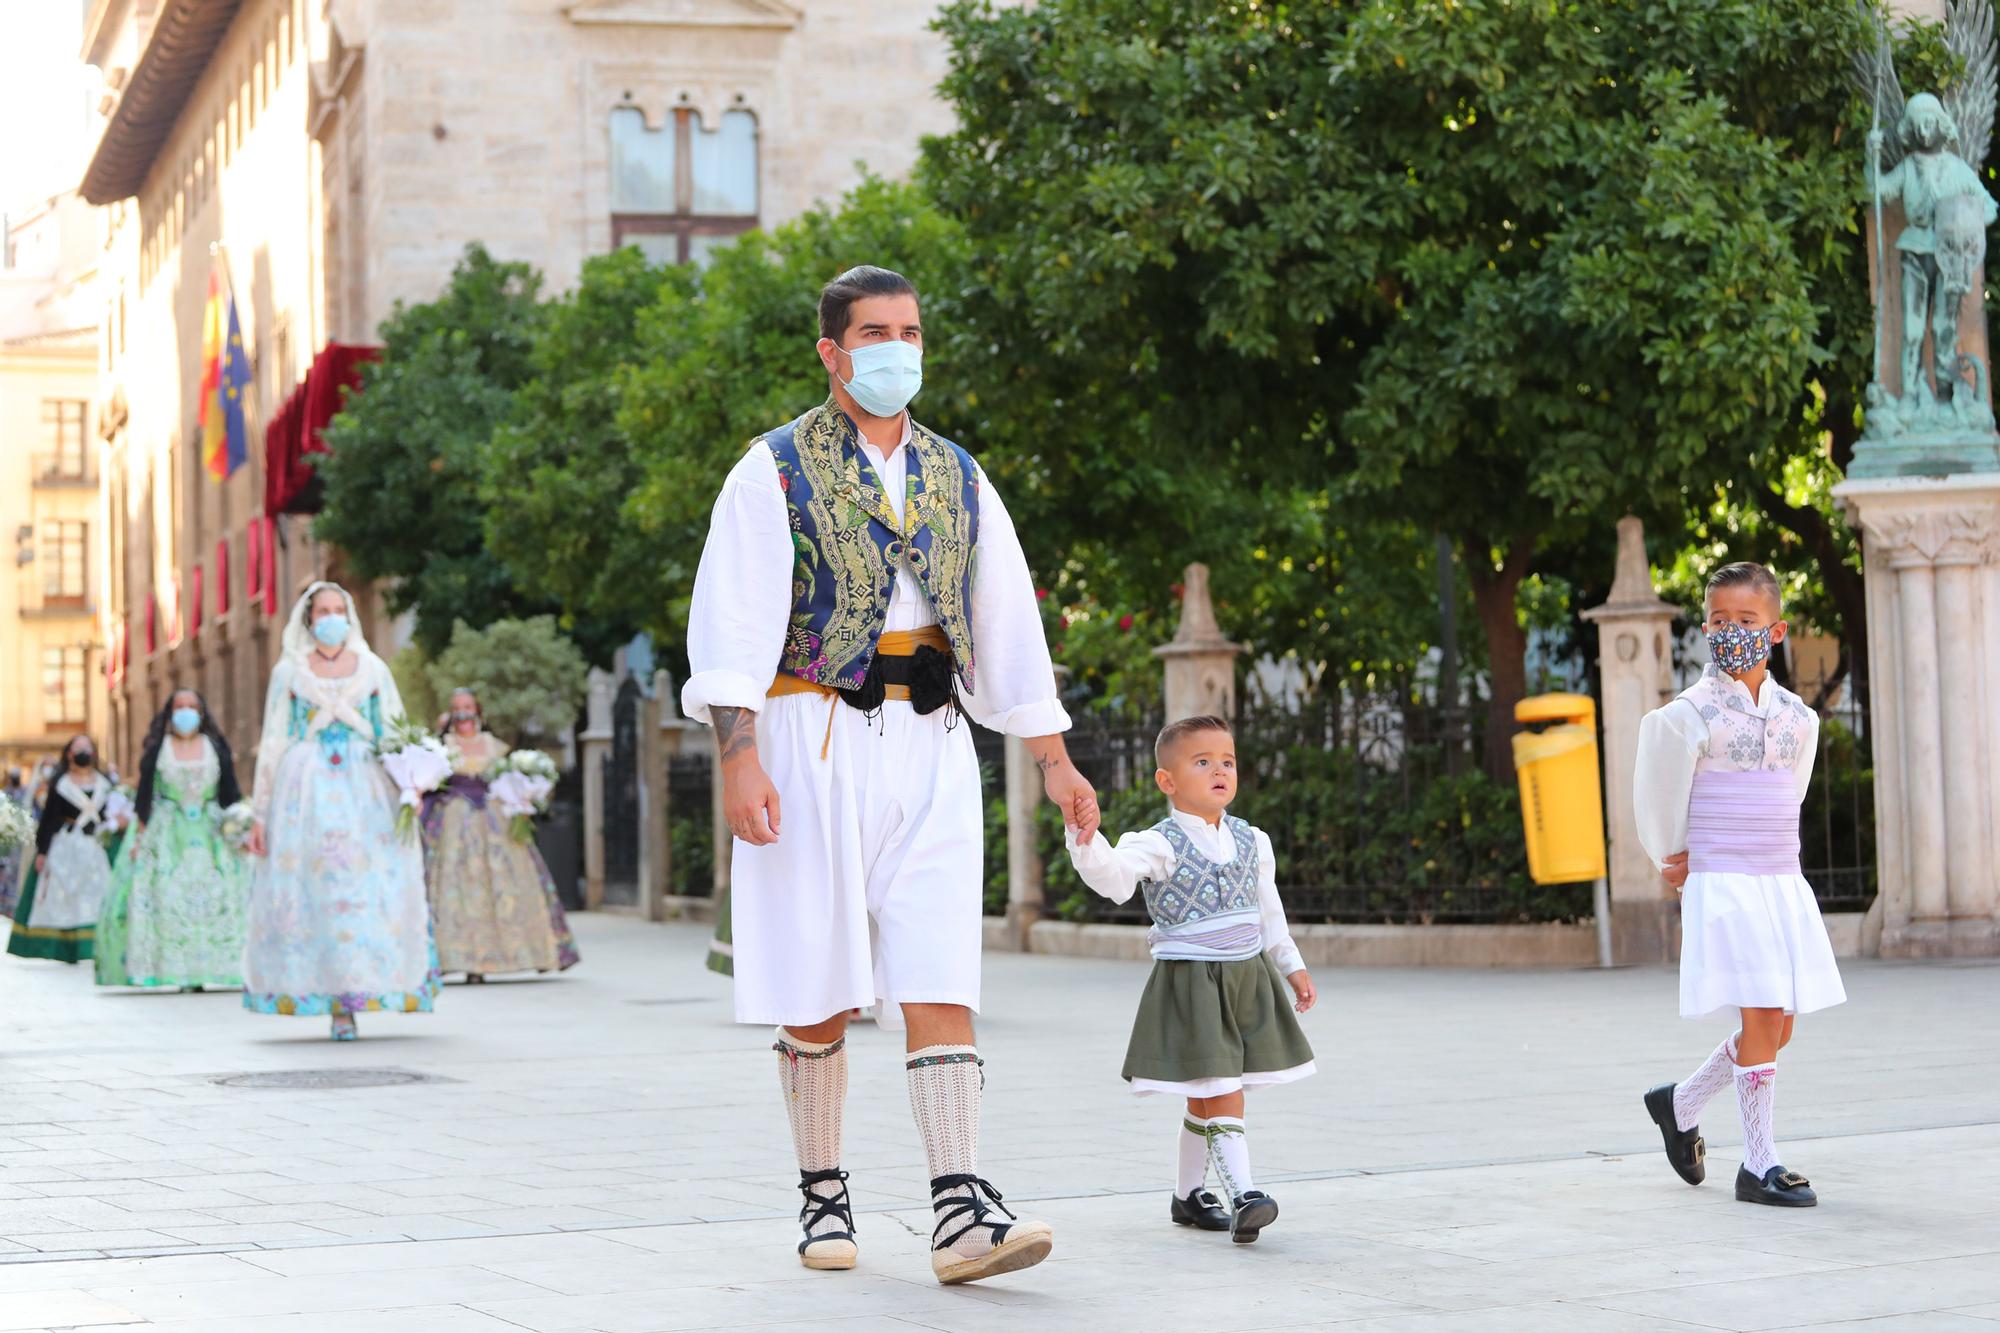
1738,648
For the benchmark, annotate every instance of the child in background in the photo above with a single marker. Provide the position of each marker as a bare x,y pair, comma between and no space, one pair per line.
1215,1018
1721,773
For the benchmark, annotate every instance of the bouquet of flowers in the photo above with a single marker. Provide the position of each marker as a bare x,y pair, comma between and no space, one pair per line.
17,826
418,763
117,814
519,786
235,823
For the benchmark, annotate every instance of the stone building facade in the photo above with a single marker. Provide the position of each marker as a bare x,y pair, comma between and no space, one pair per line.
334,157
51,656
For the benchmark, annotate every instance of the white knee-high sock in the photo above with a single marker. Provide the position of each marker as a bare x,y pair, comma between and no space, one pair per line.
814,1078
1756,1096
1229,1149
1695,1091
1192,1172
945,1087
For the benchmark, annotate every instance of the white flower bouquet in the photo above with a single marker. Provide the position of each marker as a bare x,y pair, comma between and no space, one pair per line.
235,823
116,816
519,786
17,826
418,763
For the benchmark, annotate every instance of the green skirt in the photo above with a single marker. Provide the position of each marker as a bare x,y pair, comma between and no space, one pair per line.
1210,1029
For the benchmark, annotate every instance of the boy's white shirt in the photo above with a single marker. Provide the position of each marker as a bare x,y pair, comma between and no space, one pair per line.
1116,873
1672,741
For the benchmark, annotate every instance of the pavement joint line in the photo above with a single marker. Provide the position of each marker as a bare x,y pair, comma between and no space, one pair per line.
891,1210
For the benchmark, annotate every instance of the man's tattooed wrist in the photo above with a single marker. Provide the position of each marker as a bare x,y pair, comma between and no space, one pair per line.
1046,762
735,731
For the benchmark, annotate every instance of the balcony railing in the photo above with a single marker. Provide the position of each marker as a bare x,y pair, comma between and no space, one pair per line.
61,470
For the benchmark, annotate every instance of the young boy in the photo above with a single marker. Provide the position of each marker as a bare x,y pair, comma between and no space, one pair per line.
1215,1018
1721,772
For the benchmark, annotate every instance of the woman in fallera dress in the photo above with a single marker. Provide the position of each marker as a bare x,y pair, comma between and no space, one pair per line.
57,914
492,898
338,922
180,896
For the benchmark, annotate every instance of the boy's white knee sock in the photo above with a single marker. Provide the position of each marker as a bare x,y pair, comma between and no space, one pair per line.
1756,1095
1697,1089
1229,1149
1193,1169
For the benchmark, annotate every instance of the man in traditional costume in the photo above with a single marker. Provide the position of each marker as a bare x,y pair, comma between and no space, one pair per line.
860,582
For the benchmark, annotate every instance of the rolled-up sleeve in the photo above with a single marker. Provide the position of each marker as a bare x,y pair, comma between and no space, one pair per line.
742,592
1014,680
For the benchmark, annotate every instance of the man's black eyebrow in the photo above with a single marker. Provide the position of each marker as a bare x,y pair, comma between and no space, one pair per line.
884,325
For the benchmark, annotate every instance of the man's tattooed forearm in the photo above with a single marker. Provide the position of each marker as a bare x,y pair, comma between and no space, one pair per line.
1045,762
735,731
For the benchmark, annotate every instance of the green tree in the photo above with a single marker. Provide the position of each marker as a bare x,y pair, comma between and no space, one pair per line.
529,677
402,483
1503,270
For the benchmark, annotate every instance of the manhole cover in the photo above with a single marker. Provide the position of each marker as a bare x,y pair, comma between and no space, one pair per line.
316,1079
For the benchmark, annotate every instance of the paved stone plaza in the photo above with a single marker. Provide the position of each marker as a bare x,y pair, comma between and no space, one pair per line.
605,1151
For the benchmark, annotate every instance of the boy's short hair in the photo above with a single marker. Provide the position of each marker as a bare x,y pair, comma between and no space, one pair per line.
1175,732
1746,574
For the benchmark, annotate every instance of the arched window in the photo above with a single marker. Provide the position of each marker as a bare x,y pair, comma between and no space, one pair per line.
681,190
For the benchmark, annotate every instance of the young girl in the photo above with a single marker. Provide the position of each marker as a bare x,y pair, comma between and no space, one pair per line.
1721,773
57,915
180,897
1215,1018
493,901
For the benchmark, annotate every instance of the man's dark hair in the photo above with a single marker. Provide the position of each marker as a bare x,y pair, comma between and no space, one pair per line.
837,298
1176,732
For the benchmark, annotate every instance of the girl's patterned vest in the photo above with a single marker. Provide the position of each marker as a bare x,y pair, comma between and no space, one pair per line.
1205,912
1743,811
849,545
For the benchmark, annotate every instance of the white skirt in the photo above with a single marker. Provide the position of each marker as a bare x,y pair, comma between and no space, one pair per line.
70,892
1754,942
871,897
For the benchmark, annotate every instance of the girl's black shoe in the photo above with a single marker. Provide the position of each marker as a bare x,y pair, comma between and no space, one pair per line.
1779,1188
1201,1209
1254,1211
1685,1149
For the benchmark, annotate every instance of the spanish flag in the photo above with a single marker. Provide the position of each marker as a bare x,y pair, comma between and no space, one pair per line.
225,377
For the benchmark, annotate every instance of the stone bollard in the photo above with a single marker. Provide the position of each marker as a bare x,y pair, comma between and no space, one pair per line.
1635,672
595,747
1200,664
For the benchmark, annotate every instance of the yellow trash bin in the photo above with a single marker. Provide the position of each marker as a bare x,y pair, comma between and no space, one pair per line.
1562,804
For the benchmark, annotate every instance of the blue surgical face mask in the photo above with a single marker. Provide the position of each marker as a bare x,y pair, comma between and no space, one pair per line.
886,376
331,630
187,721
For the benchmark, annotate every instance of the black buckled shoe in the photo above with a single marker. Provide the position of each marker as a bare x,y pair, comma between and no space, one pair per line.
1778,1187
1014,1244
834,1249
1254,1211
1202,1210
1686,1152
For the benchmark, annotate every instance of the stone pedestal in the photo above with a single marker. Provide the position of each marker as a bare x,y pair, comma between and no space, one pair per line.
1635,673
1932,551
1200,663
1024,861
595,747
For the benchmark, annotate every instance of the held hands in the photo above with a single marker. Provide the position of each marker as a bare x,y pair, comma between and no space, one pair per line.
1676,871
1073,795
1302,986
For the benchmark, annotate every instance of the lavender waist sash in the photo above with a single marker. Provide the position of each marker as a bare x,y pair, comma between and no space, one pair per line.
1744,824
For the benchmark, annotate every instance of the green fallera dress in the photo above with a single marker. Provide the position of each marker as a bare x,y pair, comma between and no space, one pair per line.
180,895
56,917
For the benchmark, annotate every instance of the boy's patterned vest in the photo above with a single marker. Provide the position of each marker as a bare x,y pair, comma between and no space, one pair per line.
1205,912
1743,811
848,544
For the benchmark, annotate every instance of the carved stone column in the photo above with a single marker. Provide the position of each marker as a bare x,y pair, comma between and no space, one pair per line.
1635,673
1932,551
1200,663
595,744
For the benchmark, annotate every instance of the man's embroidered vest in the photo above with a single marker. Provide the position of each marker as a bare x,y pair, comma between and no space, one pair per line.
848,544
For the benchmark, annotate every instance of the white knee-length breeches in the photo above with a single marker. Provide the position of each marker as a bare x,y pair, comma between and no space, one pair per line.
872,893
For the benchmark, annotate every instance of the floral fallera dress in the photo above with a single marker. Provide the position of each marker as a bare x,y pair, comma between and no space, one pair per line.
493,899
180,897
338,921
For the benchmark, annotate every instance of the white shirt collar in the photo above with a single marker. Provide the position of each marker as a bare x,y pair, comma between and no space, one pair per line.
876,456
1766,702
1196,824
